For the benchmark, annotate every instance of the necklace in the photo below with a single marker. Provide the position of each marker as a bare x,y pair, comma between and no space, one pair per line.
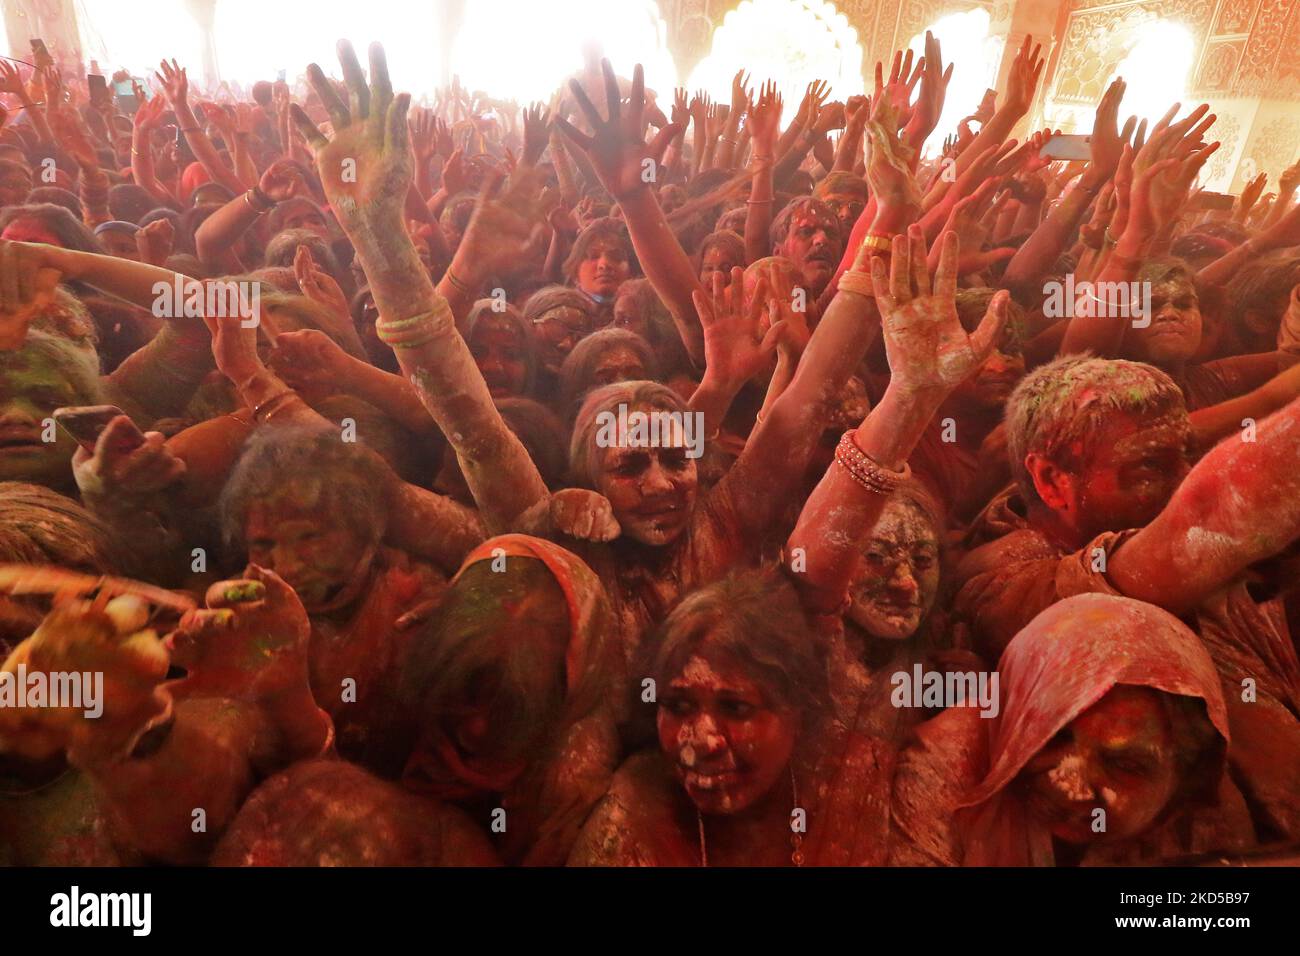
796,838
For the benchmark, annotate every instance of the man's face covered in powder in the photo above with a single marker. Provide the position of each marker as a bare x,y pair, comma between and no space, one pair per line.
813,245
1132,469
899,576
1174,333
728,744
324,560
31,387
1117,756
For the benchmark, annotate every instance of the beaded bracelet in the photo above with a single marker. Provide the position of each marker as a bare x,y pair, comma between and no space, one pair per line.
865,470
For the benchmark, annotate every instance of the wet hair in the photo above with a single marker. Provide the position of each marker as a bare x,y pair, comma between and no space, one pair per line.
349,482
638,396
497,640
1068,400
724,239
597,229
486,309
754,619
580,364
781,224
840,181
129,202
71,232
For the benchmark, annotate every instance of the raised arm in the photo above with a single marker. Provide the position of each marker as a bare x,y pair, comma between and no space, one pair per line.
1204,538
929,355
371,131
171,79
621,159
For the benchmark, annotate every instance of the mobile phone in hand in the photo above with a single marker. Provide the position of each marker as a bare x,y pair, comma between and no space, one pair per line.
85,423
1067,146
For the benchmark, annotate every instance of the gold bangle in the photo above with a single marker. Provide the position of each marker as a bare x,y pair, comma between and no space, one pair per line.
879,243
857,282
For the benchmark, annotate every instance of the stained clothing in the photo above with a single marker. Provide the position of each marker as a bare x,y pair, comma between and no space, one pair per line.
953,803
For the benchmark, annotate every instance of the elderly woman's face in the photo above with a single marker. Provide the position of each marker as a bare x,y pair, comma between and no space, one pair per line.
324,560
651,490
899,577
1117,757
728,744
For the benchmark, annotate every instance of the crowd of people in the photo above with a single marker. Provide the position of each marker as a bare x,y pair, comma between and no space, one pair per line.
611,481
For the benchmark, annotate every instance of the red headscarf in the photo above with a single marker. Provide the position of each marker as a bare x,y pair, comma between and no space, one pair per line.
1066,660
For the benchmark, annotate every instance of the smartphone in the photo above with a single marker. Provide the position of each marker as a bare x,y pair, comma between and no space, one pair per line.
1067,146
41,53
99,95
85,423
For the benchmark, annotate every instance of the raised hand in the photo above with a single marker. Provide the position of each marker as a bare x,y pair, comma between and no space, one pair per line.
308,359
582,514
934,90
537,133
740,94
927,348
506,219
1249,196
1023,78
318,285
173,82
366,167
765,121
126,464
155,241
736,346
282,180
889,169
903,78
616,148
1107,143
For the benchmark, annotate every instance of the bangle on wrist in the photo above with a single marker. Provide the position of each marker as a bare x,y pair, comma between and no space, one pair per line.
410,332
457,283
878,242
857,282
865,470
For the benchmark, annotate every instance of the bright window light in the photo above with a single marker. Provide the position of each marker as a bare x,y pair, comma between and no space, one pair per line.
791,42
256,39
1156,69
965,41
524,50
136,34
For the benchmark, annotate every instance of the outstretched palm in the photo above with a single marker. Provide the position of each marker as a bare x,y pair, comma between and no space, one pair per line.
927,348
616,148
366,167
